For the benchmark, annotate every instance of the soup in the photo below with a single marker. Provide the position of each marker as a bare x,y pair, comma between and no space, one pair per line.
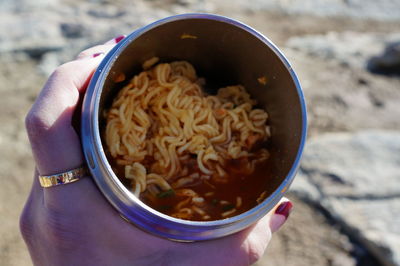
183,152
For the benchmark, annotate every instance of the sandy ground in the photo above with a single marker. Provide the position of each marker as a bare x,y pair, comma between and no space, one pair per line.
332,92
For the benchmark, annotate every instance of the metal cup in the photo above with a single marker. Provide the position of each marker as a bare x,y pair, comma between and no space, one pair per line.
225,52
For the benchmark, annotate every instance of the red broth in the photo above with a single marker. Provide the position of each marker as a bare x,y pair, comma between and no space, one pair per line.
250,188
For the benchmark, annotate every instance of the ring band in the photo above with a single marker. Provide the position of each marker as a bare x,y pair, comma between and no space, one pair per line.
63,178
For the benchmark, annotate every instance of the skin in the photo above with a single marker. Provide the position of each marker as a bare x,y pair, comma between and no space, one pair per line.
73,224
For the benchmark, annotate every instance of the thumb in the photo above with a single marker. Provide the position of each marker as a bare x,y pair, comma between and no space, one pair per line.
280,214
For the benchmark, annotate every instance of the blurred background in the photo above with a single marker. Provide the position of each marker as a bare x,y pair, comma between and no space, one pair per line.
347,56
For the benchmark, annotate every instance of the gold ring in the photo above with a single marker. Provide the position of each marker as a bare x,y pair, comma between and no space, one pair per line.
63,178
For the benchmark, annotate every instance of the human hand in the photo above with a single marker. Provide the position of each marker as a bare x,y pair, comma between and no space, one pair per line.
74,224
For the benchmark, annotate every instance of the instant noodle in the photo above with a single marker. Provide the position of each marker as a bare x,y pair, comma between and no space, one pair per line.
182,148
205,160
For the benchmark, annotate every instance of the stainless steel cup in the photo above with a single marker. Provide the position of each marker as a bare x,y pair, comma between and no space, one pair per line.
225,52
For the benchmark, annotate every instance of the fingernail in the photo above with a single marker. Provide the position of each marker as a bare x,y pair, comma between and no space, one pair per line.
97,54
284,209
119,38
115,40
280,216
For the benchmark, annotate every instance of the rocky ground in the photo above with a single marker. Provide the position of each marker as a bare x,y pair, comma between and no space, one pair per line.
346,196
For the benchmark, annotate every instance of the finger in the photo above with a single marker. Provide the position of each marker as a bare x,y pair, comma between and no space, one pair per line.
36,193
261,233
280,214
115,40
100,49
94,51
27,220
242,248
36,190
55,145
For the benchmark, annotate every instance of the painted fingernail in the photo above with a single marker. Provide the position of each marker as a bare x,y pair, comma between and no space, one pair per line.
284,209
119,38
115,40
280,216
97,54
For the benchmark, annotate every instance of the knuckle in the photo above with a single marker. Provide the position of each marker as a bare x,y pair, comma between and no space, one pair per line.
255,251
27,225
90,51
62,70
35,124
66,74
254,256
83,54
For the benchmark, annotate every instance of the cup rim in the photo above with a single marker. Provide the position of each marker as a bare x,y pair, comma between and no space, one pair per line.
97,83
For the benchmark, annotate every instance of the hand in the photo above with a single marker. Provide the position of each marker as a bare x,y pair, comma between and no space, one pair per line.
74,224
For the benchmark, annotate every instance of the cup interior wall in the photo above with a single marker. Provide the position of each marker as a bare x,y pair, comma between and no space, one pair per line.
224,54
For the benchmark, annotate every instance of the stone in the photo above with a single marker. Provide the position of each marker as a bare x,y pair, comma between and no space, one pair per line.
107,11
72,30
375,222
181,6
303,187
352,49
365,160
307,239
50,29
30,34
26,5
338,99
384,10
387,62
357,176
